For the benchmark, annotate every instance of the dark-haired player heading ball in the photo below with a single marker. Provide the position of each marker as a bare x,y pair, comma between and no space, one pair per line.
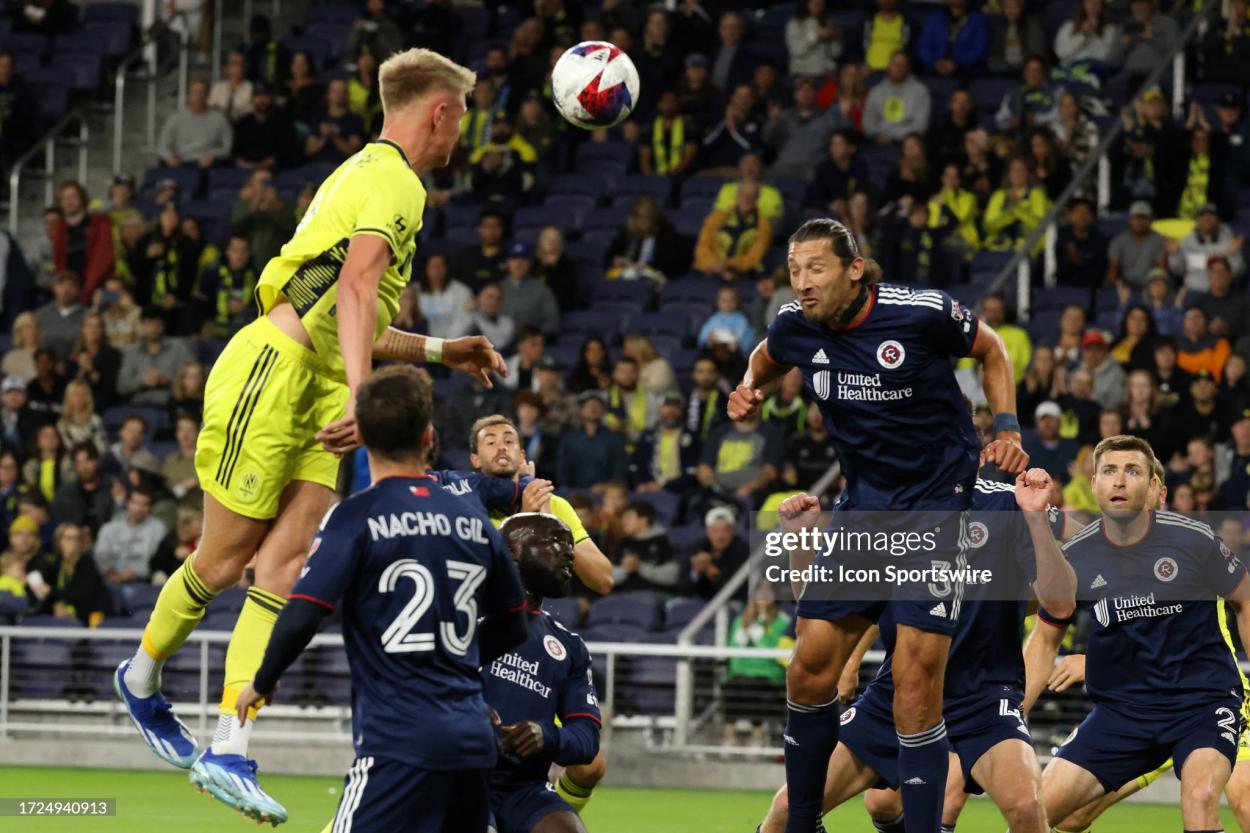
876,359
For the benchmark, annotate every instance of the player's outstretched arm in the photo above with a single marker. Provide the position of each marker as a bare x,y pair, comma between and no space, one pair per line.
589,562
295,628
1040,650
999,382
1055,584
474,355
501,632
762,370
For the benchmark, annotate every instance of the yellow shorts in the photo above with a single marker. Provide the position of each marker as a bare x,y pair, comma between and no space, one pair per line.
265,399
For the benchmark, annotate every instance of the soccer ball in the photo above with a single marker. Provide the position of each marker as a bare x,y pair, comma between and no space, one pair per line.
594,85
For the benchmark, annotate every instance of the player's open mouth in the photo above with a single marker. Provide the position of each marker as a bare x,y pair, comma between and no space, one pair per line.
810,302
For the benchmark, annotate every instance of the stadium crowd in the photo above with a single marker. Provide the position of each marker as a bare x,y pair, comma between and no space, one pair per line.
626,274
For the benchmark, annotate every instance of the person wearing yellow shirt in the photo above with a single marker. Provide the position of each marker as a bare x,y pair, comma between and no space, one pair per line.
1015,338
750,169
670,147
953,213
1015,210
733,243
885,33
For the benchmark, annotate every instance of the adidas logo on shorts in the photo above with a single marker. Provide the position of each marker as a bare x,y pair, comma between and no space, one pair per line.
915,782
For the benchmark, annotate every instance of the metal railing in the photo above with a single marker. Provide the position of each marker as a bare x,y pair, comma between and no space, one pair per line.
1019,265
46,145
146,52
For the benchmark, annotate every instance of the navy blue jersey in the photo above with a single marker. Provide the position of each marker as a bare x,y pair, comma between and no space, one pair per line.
1155,639
545,677
494,494
986,647
888,394
414,567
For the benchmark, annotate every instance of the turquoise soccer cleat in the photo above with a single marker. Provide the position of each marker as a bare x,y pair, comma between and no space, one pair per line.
231,779
164,733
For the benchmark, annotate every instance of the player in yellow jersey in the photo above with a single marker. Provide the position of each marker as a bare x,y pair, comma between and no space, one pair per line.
496,450
278,409
1071,670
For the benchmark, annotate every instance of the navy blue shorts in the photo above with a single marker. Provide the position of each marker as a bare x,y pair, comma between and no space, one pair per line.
868,731
923,605
974,725
518,809
382,795
1116,745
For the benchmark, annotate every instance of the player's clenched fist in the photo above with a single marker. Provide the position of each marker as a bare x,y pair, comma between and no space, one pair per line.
799,512
535,496
1006,453
474,355
744,402
521,739
1033,490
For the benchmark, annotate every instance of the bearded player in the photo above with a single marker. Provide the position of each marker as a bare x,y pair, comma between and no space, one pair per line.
279,409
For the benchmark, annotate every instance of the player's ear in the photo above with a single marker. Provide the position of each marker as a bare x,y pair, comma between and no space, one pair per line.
427,437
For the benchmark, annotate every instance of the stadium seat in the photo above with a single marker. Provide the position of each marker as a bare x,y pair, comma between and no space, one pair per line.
461,215
587,322
1060,297
610,632
334,35
114,37
579,183
670,323
127,13
693,288
610,217
684,538
156,418
988,93
42,668
630,187
188,179
664,503
637,293
640,610
342,14
702,186
594,154
680,612
540,216
647,685
566,611
474,23
25,42
317,49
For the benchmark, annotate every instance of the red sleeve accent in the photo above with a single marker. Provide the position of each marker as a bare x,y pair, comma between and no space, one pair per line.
315,601
516,609
565,717
1054,622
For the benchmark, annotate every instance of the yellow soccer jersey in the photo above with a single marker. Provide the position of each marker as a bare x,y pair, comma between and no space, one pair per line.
563,510
374,192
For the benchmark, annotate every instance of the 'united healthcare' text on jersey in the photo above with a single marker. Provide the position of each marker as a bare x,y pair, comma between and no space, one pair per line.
888,394
414,567
1156,638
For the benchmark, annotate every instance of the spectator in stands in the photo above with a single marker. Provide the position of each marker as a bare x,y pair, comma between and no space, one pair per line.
1225,48
266,59
716,557
25,541
1014,210
444,302
1088,38
232,95
130,262
946,136
884,34
262,217
87,498
79,591
523,367
18,423
19,361
772,291
264,138
1014,36
732,64
647,245
1050,170
503,169
148,367
1202,416
750,169
186,395
813,42
809,454
48,465
130,451
1145,414
1227,311
1076,136
1033,104
592,371
742,460
673,144
94,361
981,170
1173,382
698,100
591,454
897,106
732,244
705,410
556,269
837,177
376,32
1198,349
785,409
79,423
14,602
82,241
914,180
655,374
60,320
658,60
954,42
665,456
1234,489
1137,250
1080,411
559,408
527,300
1108,376
730,318
476,123
753,684
1203,172
303,93
128,543
1210,239
1135,346
645,560
195,136
738,132
11,490
226,288
178,467
1147,38
631,408
362,92
487,318
17,112
1046,448
536,126
799,135
1081,249
1038,384
46,391
484,263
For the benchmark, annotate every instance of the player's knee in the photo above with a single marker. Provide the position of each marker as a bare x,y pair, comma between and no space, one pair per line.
811,679
1021,809
1201,794
219,572
882,805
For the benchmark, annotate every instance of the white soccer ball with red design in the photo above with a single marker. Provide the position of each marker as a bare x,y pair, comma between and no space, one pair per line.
594,85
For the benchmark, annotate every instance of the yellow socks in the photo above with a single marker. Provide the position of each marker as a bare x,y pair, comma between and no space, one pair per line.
243,658
576,795
178,611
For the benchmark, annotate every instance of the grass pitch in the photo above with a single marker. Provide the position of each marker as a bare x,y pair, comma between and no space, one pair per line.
164,802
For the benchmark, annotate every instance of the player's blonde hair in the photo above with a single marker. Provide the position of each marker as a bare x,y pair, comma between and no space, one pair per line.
408,75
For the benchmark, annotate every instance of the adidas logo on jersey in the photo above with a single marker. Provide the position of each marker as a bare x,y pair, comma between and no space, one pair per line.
820,357
1098,581
938,609
791,741
915,782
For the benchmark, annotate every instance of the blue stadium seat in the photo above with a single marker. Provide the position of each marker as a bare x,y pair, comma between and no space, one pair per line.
680,612
84,69
80,40
690,288
1060,297
630,187
647,685
579,183
474,22
565,611
594,154
1106,299
461,215
127,13
664,503
342,14
684,538
668,323
988,93
587,322
636,293
318,49
187,178
611,632
41,668
702,186
156,418
25,42
612,217
334,35
114,37
228,179
772,23
1055,13
230,599
880,160
640,610
540,216
686,223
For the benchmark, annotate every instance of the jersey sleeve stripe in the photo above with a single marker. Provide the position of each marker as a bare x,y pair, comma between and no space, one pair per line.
378,232
564,718
518,608
312,599
1053,621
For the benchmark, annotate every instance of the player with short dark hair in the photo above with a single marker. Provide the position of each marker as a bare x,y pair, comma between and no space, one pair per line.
984,683
876,360
545,678
1159,672
413,568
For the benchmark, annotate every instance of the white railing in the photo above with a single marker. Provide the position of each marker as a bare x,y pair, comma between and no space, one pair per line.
46,145
145,52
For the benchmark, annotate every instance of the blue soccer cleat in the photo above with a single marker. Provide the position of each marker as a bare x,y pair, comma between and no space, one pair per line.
164,733
231,779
